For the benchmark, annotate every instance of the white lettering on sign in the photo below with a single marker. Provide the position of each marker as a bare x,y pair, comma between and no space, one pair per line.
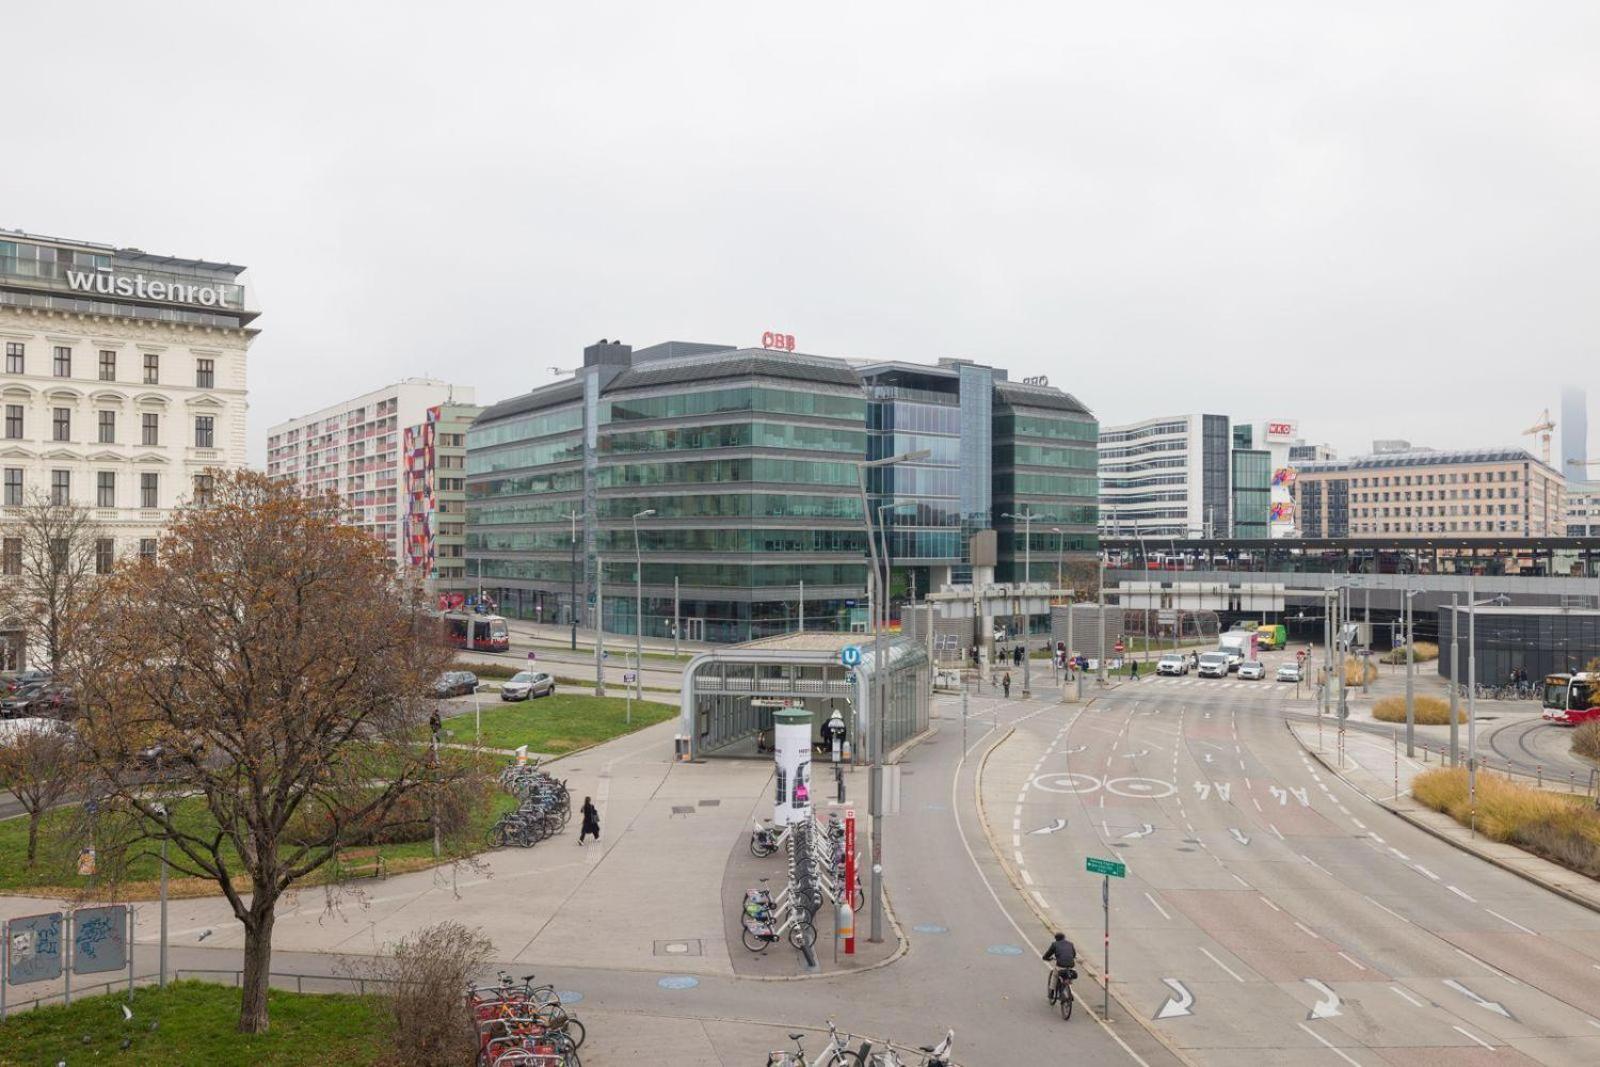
1280,430
109,284
1038,379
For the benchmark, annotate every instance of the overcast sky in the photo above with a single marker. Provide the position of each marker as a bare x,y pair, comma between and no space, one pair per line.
1378,219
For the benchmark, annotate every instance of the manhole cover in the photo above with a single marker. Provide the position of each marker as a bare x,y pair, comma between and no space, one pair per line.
569,996
687,946
678,981
931,928
1185,850
1004,950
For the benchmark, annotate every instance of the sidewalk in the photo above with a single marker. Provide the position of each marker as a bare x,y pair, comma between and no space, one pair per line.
1363,769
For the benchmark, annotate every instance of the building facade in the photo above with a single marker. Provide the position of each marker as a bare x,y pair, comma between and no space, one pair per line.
1574,432
1196,476
435,532
355,450
736,469
1495,492
124,380
1583,509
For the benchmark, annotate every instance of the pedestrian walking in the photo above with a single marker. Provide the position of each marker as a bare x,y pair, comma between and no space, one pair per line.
591,821
1006,684
1133,670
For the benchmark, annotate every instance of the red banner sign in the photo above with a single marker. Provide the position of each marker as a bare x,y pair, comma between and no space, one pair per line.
850,869
784,342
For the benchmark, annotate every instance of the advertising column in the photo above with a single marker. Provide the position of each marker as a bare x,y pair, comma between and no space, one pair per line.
791,749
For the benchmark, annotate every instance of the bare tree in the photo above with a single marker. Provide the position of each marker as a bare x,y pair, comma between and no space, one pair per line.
50,559
272,655
36,764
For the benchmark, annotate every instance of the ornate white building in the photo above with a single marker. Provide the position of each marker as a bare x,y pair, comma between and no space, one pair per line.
123,379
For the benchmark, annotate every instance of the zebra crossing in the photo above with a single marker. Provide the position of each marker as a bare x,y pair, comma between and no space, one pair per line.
1210,683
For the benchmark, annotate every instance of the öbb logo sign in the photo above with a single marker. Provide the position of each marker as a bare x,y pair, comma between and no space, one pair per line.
782,341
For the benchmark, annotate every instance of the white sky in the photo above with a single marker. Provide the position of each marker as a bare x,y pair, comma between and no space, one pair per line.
1378,218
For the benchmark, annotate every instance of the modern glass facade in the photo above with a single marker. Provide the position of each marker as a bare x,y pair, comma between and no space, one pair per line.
1252,491
747,462
1541,641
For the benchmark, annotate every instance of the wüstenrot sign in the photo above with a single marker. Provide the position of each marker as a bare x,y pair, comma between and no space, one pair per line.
109,284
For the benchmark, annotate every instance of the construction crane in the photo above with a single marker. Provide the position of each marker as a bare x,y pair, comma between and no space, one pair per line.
1541,430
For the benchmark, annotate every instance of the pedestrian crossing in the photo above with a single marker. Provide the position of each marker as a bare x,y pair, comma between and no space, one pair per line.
1169,681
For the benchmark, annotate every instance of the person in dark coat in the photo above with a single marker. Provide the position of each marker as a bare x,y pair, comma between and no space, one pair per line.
591,821
1006,684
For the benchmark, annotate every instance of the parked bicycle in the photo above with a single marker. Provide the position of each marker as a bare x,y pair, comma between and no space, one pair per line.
939,1055
836,1054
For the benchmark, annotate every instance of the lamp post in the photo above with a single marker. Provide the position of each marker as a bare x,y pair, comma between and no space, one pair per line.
1455,679
1411,664
574,594
1144,556
1027,518
875,702
638,609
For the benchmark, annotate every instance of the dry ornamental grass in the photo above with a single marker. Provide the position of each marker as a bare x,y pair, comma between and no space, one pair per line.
1586,740
1430,711
1562,829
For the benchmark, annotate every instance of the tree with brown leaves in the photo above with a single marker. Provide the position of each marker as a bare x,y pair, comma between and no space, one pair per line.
272,657
50,562
37,763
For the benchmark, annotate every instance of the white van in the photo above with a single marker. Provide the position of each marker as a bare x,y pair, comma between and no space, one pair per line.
1214,664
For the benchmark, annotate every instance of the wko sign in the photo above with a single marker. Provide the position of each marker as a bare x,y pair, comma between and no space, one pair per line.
1280,431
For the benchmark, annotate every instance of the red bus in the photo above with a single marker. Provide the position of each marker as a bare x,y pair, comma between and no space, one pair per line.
481,633
1570,699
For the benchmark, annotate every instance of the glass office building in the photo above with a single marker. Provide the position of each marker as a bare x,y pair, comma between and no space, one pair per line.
738,467
1539,640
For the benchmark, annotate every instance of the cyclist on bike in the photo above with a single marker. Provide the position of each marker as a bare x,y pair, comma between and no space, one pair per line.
1065,955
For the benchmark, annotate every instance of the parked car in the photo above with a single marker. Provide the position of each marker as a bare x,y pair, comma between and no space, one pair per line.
15,680
527,684
17,705
1288,672
1213,665
1172,663
455,684
1252,670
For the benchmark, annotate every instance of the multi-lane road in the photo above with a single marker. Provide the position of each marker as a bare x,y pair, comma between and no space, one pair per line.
1271,913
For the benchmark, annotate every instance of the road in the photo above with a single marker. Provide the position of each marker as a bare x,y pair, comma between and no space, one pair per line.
1271,913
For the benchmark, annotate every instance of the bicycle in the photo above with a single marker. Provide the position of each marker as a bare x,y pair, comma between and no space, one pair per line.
835,1055
1058,989
932,1055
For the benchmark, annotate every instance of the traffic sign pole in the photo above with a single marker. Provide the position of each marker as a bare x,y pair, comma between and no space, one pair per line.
1107,869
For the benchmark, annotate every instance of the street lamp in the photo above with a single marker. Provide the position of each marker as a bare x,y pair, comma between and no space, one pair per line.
875,704
1411,664
888,556
638,611
574,594
1027,518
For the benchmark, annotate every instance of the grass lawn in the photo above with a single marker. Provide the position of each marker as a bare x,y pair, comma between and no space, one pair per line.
558,724
196,1022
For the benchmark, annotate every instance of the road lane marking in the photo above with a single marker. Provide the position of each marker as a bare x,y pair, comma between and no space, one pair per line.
1485,966
1353,961
1154,904
1401,992
1307,930
1518,925
1257,803
1425,871
1026,877
1458,892
1236,977
1390,910
1472,1036
1045,904
1402,855
1329,1045
1274,828
1317,865
1236,878
1270,904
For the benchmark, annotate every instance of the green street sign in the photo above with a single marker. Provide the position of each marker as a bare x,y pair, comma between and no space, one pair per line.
1110,868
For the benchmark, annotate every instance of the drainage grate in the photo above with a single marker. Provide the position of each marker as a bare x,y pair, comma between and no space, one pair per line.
711,803
681,809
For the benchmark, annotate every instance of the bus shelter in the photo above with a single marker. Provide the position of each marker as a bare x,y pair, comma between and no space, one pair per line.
731,694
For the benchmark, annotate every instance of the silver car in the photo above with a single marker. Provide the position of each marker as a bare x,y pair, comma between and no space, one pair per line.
1252,670
525,684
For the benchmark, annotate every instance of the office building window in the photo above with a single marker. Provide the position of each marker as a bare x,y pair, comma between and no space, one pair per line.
152,368
150,428
205,374
108,365
60,487
202,490
108,427
204,435
15,361
63,365
147,549
14,422
149,490
105,489
105,555
11,558
61,424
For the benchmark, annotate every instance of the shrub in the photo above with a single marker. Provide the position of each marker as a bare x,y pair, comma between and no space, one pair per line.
1426,652
1430,711
1353,669
1586,740
1560,828
498,671
426,976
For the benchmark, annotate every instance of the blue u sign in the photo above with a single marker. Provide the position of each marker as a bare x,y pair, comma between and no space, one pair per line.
850,655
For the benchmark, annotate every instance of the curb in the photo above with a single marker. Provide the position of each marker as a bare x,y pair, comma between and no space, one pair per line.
1044,921
1464,846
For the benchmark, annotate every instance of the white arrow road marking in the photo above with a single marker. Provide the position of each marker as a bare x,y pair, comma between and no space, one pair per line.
1498,1009
1238,836
1280,796
1144,831
1328,1006
1202,789
1075,751
1223,789
1301,796
1179,1004
1208,757
1059,824
1136,755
